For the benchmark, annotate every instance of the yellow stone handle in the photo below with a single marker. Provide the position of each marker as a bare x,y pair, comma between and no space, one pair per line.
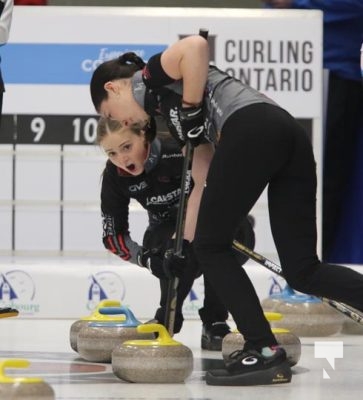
270,316
108,303
163,339
97,316
273,316
280,330
16,363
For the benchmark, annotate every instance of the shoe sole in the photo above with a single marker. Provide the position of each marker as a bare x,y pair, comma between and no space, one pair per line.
207,345
279,374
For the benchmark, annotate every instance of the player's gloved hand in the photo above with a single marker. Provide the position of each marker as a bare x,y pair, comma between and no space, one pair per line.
175,265
153,261
192,123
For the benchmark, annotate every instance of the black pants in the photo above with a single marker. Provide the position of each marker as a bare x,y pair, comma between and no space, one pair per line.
263,145
344,115
213,309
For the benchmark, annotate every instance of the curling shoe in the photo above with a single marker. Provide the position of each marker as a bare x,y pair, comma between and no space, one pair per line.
250,367
213,334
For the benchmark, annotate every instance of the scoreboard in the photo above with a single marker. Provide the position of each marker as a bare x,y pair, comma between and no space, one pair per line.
49,129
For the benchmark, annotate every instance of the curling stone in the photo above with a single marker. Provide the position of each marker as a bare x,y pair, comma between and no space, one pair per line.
94,317
162,360
19,388
290,342
304,315
96,340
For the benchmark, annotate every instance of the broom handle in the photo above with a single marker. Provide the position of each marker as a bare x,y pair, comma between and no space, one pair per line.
180,224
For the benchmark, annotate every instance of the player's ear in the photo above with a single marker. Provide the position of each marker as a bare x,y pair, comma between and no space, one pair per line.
110,87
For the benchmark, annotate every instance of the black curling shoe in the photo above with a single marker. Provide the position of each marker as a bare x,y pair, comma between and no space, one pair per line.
247,368
213,334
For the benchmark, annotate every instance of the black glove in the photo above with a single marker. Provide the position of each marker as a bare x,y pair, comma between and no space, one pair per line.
152,261
175,265
192,124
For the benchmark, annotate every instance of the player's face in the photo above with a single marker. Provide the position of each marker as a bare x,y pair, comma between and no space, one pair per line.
121,105
126,150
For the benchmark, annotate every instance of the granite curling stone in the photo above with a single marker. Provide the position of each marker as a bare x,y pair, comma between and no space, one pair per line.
286,339
96,341
162,360
19,388
304,315
291,343
94,317
351,327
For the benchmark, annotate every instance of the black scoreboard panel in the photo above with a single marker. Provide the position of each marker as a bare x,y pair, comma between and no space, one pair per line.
62,129
48,129
8,129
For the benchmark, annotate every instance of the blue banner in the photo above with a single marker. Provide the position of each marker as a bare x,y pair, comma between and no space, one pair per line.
73,64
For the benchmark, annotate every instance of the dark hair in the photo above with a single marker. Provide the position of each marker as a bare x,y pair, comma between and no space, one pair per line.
122,67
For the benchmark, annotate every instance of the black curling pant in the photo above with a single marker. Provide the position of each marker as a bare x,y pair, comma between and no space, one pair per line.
156,236
263,145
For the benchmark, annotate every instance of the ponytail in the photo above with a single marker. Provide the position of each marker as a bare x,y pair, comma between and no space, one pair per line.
132,60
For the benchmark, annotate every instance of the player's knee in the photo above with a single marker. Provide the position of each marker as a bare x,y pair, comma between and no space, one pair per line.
211,255
201,250
300,282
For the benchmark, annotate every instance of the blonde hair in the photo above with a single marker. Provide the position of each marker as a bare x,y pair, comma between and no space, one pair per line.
106,126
